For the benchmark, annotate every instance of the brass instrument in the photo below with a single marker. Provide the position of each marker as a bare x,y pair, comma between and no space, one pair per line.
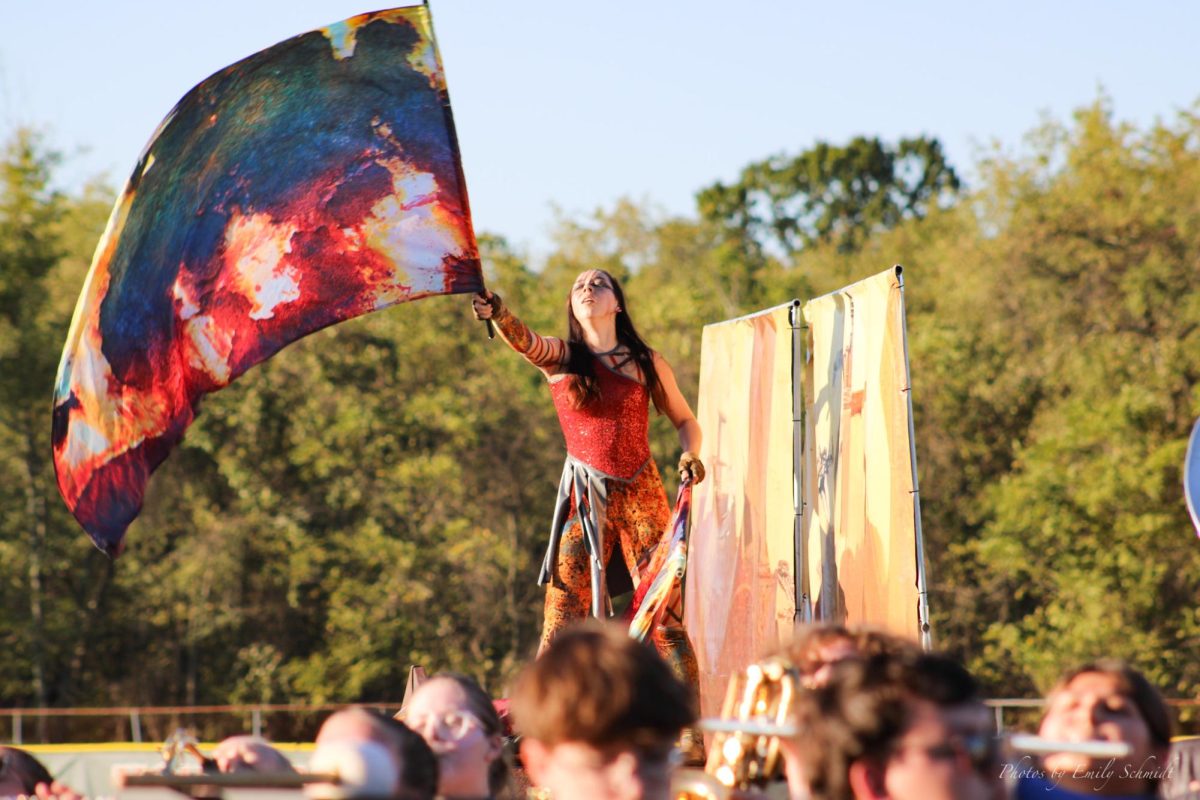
759,710
744,753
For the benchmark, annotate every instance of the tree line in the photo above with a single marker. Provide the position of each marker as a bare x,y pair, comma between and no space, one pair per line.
378,494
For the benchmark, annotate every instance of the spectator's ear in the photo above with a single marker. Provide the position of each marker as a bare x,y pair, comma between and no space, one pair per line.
623,776
867,781
495,747
534,757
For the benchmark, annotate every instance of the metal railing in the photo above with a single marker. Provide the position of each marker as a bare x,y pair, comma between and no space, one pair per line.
148,723
1026,708
298,721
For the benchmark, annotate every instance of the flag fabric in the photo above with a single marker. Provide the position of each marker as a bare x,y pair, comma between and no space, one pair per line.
1191,476
663,572
315,181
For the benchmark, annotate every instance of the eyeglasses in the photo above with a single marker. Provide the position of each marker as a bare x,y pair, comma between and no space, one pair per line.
449,725
980,751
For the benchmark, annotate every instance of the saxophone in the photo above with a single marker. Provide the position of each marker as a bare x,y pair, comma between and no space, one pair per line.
744,753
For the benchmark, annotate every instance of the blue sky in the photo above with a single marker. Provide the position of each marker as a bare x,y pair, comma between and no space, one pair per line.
573,105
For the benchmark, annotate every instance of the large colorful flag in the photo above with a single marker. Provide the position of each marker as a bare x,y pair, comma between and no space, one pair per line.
310,183
662,574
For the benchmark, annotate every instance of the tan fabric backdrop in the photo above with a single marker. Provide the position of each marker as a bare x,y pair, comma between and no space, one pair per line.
740,598
858,530
860,522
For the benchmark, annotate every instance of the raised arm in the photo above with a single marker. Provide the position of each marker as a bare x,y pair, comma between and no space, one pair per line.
680,413
545,352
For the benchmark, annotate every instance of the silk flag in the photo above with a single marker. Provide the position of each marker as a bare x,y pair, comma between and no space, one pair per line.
740,590
310,183
663,570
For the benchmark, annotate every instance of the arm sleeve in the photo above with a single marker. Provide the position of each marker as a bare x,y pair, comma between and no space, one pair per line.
541,351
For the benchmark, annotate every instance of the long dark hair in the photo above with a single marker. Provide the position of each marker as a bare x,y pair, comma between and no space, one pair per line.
581,381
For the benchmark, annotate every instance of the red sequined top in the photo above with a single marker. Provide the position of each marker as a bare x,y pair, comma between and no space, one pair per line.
612,434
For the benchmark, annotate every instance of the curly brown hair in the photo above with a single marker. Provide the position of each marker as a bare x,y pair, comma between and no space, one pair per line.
866,707
598,686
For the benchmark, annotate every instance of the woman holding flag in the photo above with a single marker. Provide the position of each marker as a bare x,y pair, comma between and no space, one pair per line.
611,498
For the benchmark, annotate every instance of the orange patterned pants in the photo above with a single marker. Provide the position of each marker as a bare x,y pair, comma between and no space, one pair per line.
637,515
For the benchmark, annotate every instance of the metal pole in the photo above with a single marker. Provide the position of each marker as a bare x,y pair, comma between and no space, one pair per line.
135,726
17,740
803,612
256,722
922,575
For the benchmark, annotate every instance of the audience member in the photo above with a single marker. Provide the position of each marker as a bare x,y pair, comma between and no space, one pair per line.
599,714
460,724
20,773
1108,701
902,725
416,764
816,648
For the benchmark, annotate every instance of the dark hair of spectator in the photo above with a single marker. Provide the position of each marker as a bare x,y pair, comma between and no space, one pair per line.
19,764
876,642
418,763
866,707
804,652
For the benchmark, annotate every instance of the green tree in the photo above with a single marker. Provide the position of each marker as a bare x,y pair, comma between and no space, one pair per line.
48,604
829,193
1087,547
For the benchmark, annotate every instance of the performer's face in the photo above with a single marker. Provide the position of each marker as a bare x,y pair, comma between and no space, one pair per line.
592,296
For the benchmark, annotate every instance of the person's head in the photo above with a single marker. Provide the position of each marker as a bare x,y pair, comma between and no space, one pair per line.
1110,701
897,726
249,754
817,648
595,295
597,298
415,762
460,724
870,642
599,714
20,772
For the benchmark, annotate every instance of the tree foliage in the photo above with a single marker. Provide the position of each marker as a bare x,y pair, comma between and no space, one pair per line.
839,194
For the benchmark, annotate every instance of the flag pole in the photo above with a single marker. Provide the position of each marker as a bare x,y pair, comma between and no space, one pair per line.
491,328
